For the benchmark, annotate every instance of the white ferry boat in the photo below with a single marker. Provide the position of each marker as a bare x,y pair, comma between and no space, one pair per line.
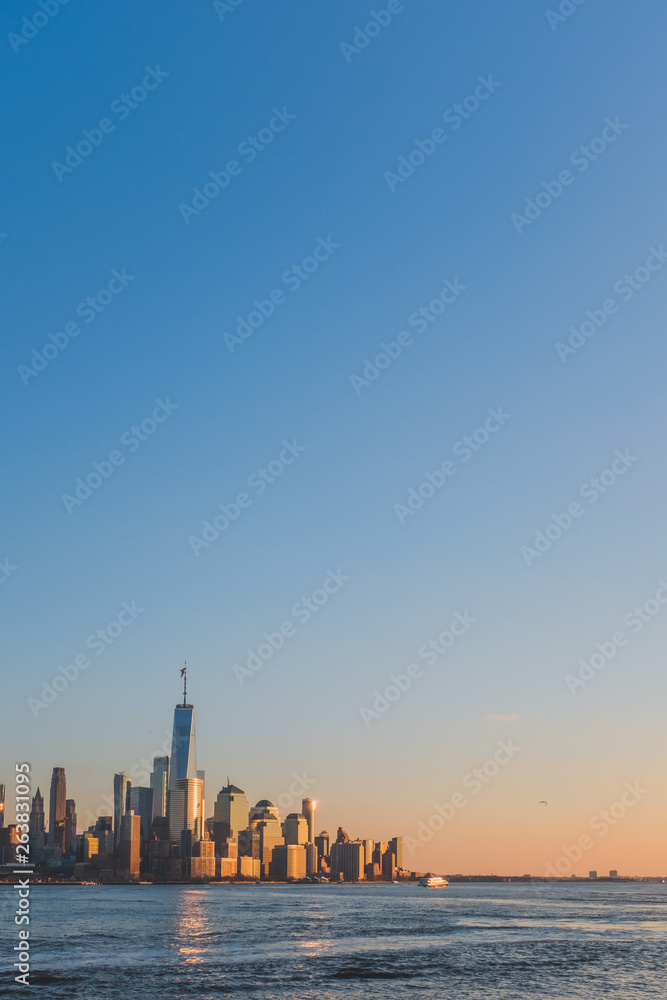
433,881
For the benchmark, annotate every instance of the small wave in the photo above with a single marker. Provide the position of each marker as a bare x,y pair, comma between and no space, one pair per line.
370,972
42,977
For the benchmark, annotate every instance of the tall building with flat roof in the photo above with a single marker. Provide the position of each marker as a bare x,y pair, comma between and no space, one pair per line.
312,860
130,846
70,824
248,842
90,847
9,841
289,861
141,804
121,804
57,809
347,859
159,781
379,851
396,848
295,829
103,832
186,808
2,806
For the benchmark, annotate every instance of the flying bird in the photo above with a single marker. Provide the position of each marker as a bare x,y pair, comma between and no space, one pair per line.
542,802
184,670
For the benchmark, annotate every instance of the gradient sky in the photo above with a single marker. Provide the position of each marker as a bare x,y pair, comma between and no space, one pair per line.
333,508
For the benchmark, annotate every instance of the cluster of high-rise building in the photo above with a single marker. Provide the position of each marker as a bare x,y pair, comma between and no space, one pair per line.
160,831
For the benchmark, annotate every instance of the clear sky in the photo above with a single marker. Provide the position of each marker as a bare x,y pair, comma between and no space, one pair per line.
361,156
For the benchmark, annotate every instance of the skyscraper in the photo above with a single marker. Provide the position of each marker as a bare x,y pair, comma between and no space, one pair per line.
141,804
185,798
396,848
70,824
183,763
159,781
296,829
289,861
202,777
230,814
379,855
322,843
57,809
90,847
130,845
37,820
121,804
347,859
103,832
186,808
270,832
2,806
312,859
9,841
308,810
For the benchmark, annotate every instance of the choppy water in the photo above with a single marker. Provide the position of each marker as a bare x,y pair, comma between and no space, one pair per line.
467,941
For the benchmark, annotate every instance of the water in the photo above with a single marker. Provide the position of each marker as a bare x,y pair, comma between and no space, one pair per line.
486,942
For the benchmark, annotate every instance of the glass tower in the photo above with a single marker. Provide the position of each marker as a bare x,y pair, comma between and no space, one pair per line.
186,787
121,803
183,763
159,781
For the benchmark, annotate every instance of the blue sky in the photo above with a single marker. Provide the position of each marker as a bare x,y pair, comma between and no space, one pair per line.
162,337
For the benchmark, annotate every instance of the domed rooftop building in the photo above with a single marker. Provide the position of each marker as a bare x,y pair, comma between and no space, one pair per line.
264,809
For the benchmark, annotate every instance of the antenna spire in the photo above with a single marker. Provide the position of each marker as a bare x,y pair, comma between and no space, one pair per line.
184,675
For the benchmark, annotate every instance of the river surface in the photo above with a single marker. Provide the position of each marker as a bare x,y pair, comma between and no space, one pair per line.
483,941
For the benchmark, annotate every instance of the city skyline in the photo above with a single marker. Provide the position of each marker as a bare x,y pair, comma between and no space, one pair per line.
169,837
181,802
282,380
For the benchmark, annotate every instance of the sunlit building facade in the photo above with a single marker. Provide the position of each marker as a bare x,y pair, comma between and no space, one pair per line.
308,810
231,812
296,829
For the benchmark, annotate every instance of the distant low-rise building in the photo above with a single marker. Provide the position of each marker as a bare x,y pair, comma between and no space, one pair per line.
203,861
227,867
249,867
